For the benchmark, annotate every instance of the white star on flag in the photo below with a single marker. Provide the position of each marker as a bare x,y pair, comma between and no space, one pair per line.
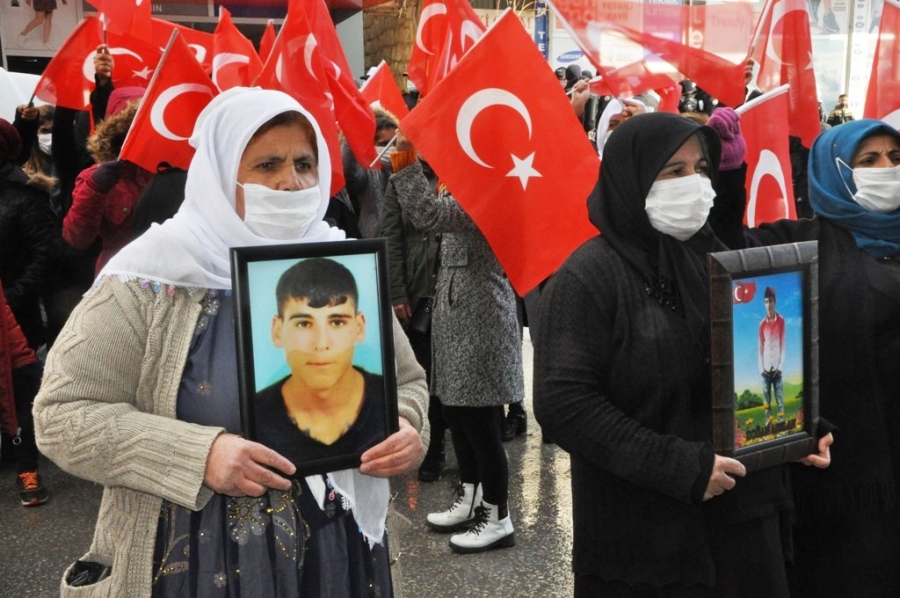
144,73
523,169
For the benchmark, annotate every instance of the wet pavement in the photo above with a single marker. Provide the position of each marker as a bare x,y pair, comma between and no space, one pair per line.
36,544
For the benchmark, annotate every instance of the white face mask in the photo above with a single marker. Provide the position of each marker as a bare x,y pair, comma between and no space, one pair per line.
275,214
385,158
877,189
44,141
679,207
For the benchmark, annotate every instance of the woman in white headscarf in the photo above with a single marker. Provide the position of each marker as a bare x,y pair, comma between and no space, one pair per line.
140,392
614,114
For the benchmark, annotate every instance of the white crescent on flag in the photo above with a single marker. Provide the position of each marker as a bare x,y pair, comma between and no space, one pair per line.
157,113
430,11
472,107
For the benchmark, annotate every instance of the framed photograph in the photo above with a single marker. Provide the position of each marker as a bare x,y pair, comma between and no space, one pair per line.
315,350
764,353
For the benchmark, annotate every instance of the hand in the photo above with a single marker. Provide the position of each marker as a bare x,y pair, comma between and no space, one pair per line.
107,175
580,93
402,451
238,467
28,112
404,312
632,108
103,62
823,459
403,144
721,480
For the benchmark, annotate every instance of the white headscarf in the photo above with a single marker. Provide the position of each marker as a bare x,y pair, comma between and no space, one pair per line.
192,248
612,108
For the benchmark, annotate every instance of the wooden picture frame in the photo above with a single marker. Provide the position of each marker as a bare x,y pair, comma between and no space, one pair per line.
747,341
317,375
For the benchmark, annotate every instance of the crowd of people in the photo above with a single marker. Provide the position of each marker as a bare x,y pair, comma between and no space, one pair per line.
120,280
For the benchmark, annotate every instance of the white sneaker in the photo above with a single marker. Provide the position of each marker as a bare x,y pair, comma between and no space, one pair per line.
461,513
489,531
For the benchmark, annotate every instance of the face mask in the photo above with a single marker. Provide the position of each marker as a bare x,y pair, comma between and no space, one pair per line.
44,141
275,214
385,157
877,189
679,207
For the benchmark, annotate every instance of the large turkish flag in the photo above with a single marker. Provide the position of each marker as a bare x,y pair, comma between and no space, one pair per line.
509,147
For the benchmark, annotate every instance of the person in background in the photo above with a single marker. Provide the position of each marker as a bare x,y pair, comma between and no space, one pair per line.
727,214
477,359
615,113
414,259
841,112
27,238
43,17
560,73
20,378
157,421
622,383
105,194
365,186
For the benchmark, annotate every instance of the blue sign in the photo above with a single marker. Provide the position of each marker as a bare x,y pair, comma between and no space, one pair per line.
542,28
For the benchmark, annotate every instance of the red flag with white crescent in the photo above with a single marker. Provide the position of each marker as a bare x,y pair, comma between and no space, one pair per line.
883,94
381,90
446,30
68,78
179,91
783,50
511,151
295,68
770,193
235,62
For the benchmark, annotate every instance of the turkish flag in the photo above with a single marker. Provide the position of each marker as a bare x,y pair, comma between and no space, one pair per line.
381,90
267,41
235,62
125,17
770,194
883,94
743,291
200,42
446,30
669,98
706,44
69,76
353,113
512,152
165,119
294,68
783,50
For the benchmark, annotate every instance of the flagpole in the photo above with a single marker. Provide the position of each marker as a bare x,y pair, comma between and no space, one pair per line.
384,151
763,16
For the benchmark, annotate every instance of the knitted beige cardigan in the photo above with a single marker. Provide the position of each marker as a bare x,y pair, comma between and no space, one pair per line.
106,413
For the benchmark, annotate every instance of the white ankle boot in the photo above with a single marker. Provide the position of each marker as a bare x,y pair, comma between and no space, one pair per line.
491,529
461,513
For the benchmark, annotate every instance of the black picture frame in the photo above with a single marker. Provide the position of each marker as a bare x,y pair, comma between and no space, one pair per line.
739,282
264,368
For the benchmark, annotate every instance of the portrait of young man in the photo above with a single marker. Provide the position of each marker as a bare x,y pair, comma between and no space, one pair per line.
326,406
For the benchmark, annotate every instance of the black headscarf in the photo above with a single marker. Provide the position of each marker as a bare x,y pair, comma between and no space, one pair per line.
674,271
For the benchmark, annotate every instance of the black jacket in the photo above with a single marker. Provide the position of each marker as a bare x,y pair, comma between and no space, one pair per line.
28,245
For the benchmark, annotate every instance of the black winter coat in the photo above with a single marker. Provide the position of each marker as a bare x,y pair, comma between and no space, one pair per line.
28,246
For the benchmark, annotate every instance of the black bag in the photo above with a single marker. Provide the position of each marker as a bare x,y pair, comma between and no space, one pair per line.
420,321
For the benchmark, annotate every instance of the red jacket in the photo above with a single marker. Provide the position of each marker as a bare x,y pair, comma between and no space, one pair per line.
107,212
14,353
